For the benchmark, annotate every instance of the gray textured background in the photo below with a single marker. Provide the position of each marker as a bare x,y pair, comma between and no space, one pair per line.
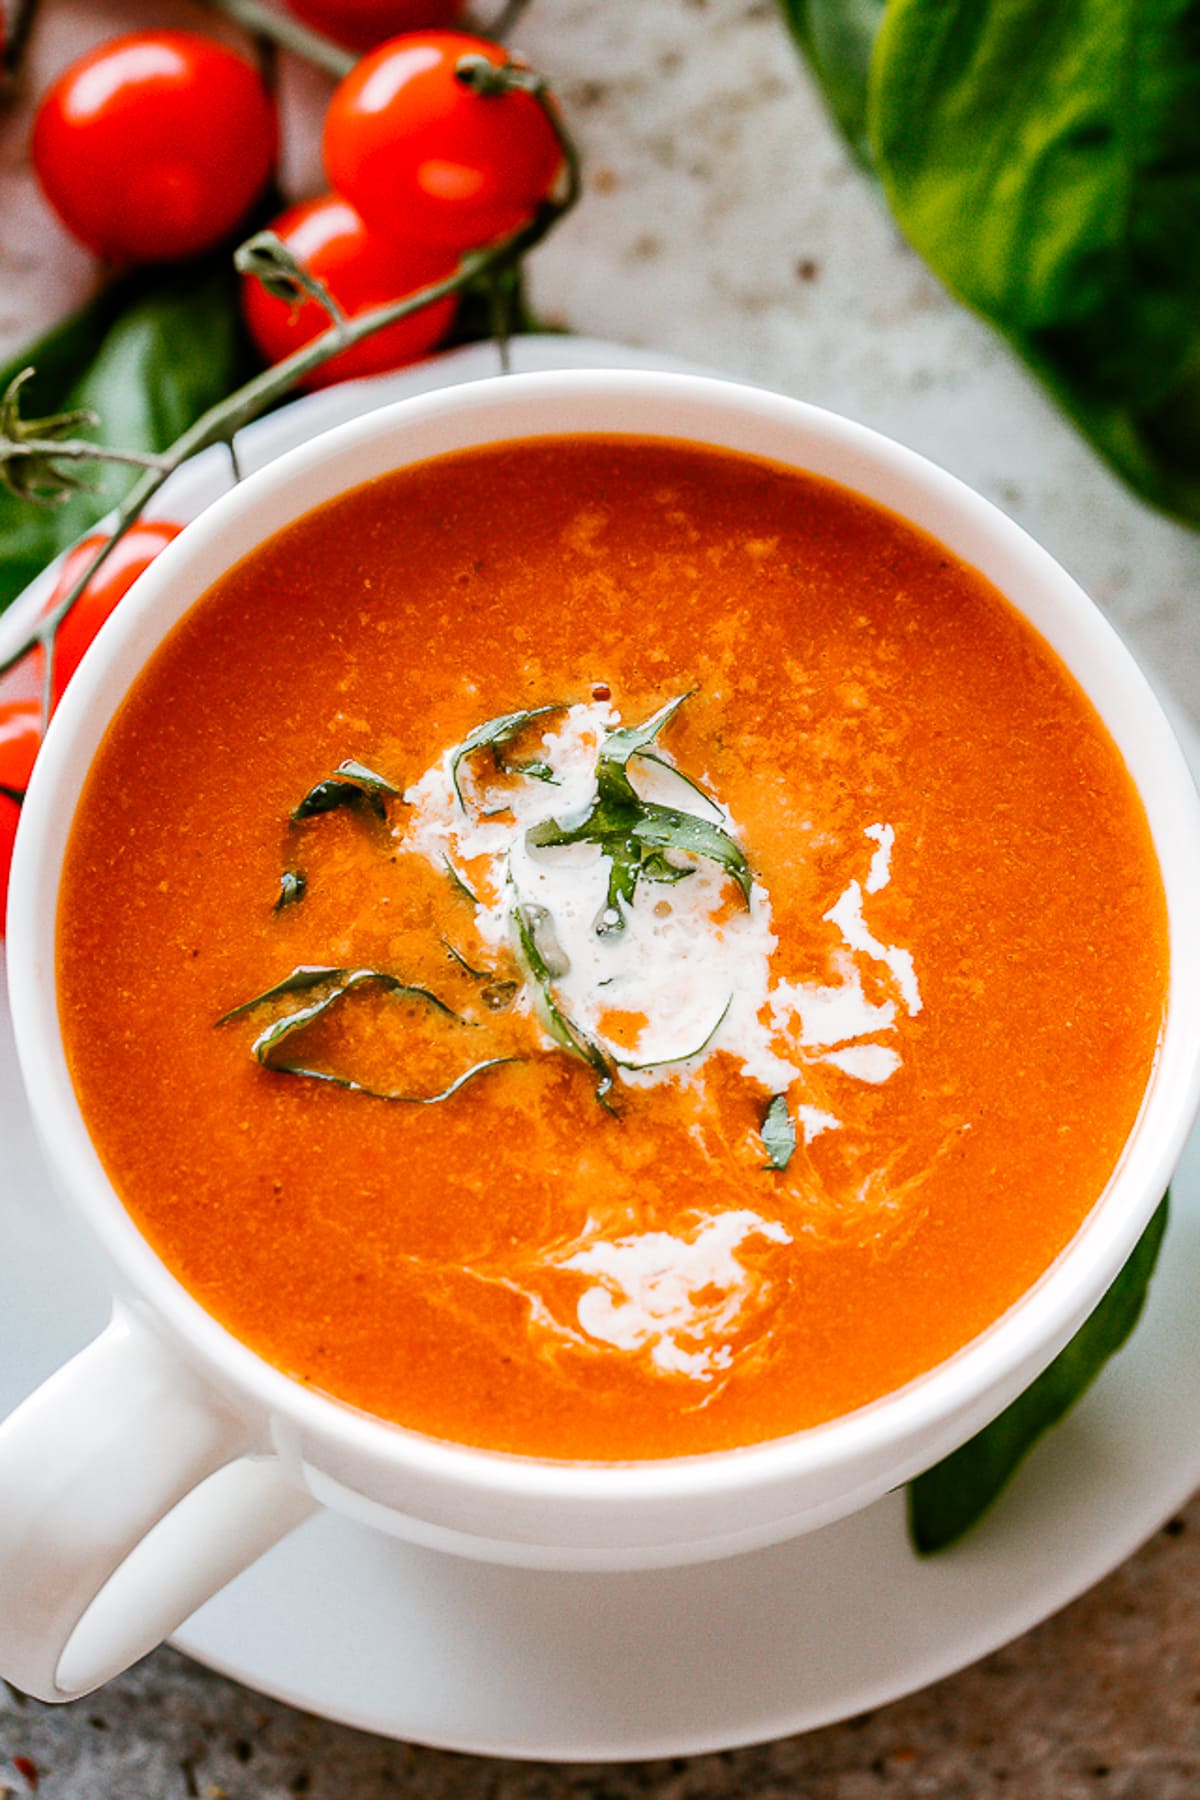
723,223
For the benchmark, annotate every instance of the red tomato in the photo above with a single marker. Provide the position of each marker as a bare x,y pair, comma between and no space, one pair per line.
154,145
20,740
420,154
361,270
111,582
364,23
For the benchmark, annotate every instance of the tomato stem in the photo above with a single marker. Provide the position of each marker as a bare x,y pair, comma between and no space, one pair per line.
277,28
494,262
268,259
20,17
31,449
50,450
501,290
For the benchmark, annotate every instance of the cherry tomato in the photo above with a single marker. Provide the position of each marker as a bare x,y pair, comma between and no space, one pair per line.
20,740
421,154
154,145
364,23
111,582
361,270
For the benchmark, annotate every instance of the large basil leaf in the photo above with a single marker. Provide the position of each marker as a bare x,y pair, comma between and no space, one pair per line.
838,37
148,354
1045,160
946,1500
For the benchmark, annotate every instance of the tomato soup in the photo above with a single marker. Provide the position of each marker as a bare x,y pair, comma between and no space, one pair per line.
598,948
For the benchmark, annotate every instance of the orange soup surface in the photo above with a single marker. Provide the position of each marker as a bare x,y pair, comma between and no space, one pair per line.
694,955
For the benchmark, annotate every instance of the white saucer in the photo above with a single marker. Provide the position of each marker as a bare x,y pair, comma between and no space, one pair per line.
416,1645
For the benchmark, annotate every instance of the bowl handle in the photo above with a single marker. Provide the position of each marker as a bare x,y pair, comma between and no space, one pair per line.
111,1530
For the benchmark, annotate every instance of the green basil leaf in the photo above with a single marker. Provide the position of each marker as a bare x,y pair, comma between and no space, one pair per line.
607,819
456,956
660,762
778,1133
655,867
492,735
527,924
662,828
338,984
308,975
624,870
292,888
534,771
148,354
357,1087
670,1062
609,825
339,981
496,992
1046,163
457,882
627,741
351,784
838,36
948,1499
634,833
550,957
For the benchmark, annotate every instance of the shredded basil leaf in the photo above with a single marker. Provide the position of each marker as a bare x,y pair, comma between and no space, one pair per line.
630,740
497,994
634,833
655,867
338,984
351,784
551,955
778,1133
358,1087
458,882
562,1029
670,1062
467,968
660,762
492,735
292,888
340,981
308,975
663,829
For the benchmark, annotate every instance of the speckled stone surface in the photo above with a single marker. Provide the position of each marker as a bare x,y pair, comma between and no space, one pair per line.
1100,1703
724,223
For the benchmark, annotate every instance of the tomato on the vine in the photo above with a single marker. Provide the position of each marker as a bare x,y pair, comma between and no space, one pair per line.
361,269
20,688
155,144
361,24
111,582
20,740
420,153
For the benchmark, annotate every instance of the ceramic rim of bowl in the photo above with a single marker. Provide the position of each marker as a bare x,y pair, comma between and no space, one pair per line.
979,1378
